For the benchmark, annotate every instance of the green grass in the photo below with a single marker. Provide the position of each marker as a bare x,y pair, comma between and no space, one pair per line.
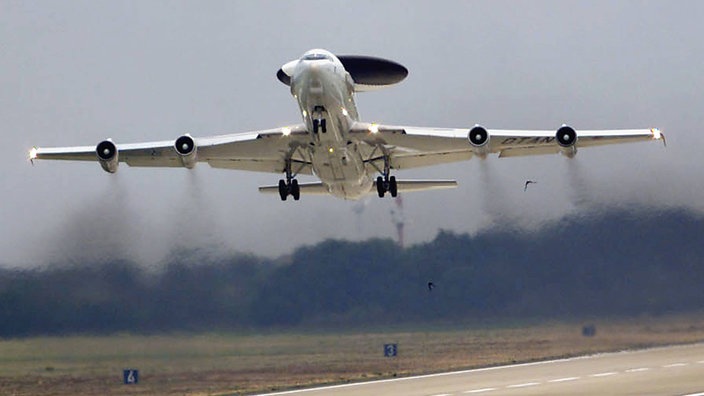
230,363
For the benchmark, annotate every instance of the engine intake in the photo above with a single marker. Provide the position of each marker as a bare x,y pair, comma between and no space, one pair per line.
107,155
186,148
479,137
567,139
566,136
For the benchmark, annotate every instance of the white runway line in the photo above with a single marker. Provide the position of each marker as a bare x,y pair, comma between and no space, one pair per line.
675,365
444,394
604,374
480,390
701,362
637,370
695,394
461,372
566,379
527,384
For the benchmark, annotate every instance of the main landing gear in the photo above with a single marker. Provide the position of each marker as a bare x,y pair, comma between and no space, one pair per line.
290,185
386,184
291,188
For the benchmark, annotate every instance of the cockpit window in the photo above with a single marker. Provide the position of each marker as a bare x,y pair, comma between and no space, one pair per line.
316,56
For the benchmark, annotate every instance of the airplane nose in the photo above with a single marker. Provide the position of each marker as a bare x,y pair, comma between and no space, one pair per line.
315,73
320,68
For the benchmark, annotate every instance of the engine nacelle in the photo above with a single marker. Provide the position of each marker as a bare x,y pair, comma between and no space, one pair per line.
479,138
107,155
186,149
566,137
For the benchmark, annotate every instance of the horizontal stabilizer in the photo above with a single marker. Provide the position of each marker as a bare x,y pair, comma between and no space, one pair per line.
306,189
402,186
423,185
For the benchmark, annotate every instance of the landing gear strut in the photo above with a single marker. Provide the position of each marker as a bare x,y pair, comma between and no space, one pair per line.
290,185
386,184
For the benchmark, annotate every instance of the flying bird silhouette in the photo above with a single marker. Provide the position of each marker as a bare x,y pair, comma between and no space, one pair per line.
525,187
431,285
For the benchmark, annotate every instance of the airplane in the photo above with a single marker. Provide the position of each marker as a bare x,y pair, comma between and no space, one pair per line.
332,142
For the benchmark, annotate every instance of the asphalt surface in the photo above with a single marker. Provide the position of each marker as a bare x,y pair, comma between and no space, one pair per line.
676,370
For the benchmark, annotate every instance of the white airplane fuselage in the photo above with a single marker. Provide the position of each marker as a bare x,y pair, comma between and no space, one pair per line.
324,90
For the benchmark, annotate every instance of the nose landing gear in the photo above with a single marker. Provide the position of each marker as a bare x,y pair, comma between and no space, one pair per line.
319,123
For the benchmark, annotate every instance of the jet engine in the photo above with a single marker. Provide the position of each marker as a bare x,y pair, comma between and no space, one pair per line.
567,139
478,138
186,148
107,155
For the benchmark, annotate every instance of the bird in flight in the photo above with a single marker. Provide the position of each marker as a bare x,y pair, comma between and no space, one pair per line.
525,187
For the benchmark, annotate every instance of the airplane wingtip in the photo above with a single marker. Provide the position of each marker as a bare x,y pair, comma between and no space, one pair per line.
658,135
32,155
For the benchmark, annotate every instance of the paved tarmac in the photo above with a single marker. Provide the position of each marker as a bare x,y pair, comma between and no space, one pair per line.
676,370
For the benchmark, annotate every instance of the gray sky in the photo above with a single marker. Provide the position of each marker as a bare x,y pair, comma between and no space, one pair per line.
74,73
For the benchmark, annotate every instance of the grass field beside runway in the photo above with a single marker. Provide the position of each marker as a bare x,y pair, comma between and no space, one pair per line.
229,363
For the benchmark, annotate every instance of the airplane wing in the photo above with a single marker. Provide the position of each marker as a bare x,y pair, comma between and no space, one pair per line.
411,147
261,151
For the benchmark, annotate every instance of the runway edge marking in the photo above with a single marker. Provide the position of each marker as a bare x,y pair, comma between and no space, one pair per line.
566,379
482,390
492,368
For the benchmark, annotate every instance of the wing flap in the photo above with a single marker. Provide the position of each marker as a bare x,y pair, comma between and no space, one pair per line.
260,165
522,152
417,160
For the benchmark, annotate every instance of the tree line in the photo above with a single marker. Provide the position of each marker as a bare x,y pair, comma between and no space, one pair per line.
617,262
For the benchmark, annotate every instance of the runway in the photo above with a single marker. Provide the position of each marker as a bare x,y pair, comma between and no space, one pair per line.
676,370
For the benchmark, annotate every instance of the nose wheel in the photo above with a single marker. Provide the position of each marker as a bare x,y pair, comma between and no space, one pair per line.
319,124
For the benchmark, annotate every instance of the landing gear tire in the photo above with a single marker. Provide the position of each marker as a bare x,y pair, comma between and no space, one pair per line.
319,124
295,190
291,188
283,190
383,186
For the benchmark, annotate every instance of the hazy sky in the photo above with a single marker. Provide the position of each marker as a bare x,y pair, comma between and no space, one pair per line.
74,73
